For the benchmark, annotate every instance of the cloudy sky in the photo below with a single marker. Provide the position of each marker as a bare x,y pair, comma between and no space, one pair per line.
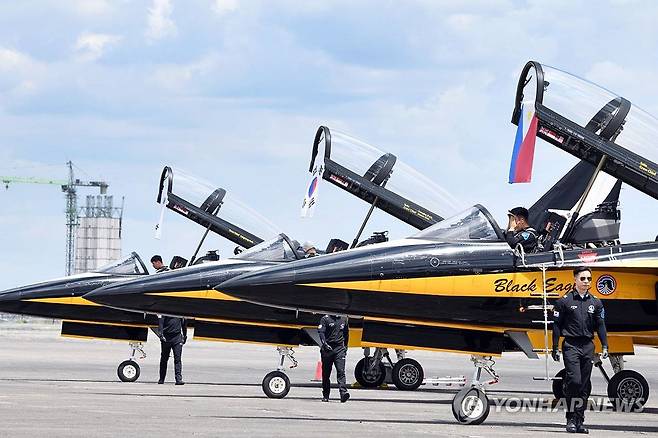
234,91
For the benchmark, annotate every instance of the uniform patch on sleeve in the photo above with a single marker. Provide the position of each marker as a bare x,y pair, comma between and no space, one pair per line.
556,314
602,313
525,235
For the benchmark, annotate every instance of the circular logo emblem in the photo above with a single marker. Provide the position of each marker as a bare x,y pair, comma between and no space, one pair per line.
606,284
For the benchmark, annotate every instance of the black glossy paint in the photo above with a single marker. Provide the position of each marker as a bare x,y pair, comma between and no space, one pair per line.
285,286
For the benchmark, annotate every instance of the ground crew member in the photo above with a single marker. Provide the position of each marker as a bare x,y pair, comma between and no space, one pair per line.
519,231
576,316
156,262
334,335
173,335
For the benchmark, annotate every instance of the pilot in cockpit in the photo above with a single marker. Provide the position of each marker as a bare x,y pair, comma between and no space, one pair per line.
519,231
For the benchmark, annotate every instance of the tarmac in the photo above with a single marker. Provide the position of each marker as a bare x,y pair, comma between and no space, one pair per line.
53,386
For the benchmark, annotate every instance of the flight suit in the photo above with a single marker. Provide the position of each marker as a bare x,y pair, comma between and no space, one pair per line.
577,318
528,238
334,335
173,334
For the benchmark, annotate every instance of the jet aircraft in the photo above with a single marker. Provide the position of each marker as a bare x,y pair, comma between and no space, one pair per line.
458,286
63,298
189,292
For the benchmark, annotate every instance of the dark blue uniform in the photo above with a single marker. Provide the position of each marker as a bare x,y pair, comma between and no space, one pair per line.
527,237
173,334
334,334
577,318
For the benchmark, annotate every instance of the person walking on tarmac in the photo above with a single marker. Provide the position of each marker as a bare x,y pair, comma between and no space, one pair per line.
519,231
334,334
576,316
173,335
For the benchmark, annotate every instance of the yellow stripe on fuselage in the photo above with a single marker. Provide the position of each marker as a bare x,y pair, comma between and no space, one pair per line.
209,294
75,301
629,286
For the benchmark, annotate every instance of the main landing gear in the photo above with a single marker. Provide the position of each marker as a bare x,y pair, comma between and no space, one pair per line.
370,372
128,370
628,390
471,404
276,384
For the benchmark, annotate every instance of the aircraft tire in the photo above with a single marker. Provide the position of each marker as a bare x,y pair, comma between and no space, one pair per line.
407,374
371,380
628,391
276,384
128,371
470,406
558,385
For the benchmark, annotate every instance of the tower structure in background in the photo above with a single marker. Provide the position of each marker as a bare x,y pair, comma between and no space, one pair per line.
100,207
98,233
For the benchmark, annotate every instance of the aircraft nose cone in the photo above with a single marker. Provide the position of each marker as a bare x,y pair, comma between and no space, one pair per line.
11,300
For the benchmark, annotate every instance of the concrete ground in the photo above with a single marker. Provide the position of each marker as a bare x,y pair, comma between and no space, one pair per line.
52,386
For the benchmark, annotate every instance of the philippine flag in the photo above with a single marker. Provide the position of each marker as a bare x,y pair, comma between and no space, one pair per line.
520,170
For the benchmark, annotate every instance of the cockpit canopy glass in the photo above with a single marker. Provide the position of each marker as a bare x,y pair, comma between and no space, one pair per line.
579,100
129,265
201,193
474,223
361,157
278,249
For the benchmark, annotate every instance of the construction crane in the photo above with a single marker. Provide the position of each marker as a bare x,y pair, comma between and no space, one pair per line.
69,187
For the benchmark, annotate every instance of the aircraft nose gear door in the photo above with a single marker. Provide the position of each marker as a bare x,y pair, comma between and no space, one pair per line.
276,384
128,370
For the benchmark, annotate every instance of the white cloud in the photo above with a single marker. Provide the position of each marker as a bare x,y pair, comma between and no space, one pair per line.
91,8
91,46
224,7
19,74
160,23
11,60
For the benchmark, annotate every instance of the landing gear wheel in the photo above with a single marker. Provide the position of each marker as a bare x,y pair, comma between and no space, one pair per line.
369,379
407,374
128,371
628,391
470,406
558,385
276,384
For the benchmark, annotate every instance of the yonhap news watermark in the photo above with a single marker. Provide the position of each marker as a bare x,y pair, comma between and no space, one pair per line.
549,404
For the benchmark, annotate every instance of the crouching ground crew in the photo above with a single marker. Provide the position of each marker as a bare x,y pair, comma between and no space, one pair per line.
173,334
576,316
334,335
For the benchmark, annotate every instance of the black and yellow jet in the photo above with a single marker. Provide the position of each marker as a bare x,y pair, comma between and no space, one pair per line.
458,286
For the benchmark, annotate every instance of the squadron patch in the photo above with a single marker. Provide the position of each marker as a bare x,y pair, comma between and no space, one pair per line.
606,284
525,235
556,314
590,309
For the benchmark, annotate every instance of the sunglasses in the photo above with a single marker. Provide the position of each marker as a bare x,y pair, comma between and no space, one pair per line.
585,278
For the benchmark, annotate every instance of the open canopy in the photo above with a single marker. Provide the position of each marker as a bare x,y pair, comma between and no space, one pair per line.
377,176
214,208
591,122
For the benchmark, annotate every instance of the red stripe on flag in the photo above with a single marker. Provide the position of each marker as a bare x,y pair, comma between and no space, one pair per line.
526,154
